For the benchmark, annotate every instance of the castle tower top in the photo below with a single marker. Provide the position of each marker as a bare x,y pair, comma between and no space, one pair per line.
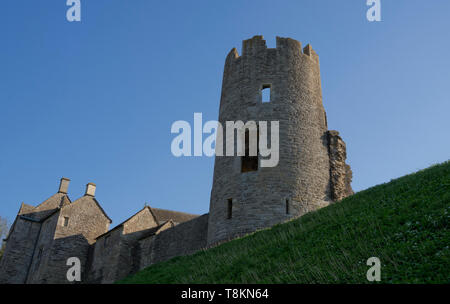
257,45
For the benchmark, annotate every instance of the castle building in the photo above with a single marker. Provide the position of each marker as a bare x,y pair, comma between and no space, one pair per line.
311,173
44,237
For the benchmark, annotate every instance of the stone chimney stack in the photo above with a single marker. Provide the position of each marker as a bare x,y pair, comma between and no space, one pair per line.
90,189
64,185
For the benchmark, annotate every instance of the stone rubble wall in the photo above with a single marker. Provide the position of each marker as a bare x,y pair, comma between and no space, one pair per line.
340,172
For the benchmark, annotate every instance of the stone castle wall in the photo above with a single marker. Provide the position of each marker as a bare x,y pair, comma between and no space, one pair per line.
185,238
340,172
115,254
302,176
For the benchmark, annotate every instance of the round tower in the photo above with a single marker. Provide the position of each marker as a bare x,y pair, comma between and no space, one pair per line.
246,196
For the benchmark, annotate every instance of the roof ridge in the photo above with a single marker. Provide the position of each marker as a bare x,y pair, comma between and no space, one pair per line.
122,223
175,211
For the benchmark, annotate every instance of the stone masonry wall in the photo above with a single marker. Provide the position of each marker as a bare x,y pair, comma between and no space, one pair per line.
183,239
105,260
302,176
340,172
18,252
114,255
43,252
134,229
86,221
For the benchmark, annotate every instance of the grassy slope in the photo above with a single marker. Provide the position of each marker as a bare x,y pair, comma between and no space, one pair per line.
404,222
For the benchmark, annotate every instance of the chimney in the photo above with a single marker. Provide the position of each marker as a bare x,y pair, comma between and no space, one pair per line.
64,185
90,189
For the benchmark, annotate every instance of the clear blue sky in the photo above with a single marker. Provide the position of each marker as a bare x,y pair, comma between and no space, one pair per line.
94,101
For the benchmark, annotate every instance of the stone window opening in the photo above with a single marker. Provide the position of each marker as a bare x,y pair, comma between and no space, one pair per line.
229,208
250,163
66,221
265,93
288,207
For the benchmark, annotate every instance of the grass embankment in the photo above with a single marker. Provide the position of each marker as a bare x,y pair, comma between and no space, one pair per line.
405,223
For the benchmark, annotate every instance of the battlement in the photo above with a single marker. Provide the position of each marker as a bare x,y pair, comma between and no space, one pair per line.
257,45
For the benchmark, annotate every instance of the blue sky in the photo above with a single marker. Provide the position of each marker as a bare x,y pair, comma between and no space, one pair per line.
94,101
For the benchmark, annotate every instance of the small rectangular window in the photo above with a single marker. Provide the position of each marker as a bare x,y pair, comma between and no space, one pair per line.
66,221
288,211
250,163
229,208
265,93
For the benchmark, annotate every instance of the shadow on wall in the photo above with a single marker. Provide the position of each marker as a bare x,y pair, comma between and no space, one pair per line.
49,264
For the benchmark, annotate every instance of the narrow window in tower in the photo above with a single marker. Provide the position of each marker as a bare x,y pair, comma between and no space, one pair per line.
250,163
66,221
265,93
229,208
288,211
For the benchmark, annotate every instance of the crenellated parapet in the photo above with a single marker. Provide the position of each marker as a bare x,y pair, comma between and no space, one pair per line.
256,46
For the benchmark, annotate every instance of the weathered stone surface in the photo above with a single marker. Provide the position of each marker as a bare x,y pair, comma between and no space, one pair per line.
302,177
19,250
42,238
113,255
182,239
57,242
340,172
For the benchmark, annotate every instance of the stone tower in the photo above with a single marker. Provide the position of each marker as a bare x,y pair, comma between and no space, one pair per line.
311,172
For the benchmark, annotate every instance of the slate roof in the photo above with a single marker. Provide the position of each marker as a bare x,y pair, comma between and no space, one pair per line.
121,224
163,215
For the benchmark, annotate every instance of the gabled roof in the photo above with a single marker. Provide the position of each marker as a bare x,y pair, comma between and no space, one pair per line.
161,217
40,220
131,217
25,208
28,211
42,211
95,201
178,217
57,200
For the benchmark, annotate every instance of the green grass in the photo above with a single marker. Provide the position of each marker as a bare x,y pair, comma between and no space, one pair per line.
405,223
